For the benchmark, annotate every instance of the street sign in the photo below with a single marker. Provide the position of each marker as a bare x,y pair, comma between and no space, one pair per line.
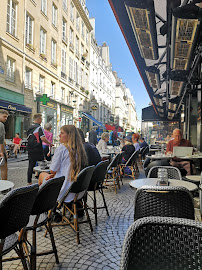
80,119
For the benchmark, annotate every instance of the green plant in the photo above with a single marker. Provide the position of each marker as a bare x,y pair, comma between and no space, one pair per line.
43,56
87,92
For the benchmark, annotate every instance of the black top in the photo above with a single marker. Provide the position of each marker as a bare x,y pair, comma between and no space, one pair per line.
93,137
127,151
143,144
92,154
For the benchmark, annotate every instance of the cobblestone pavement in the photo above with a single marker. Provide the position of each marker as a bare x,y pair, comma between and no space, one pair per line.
100,249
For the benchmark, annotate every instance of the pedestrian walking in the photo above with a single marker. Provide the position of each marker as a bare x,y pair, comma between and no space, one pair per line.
4,169
35,150
49,136
93,136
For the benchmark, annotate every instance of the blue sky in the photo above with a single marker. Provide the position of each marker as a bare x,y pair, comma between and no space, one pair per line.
107,30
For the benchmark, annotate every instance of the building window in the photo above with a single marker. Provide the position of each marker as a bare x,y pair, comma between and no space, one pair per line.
64,29
41,84
81,77
70,68
82,29
42,41
64,5
53,52
52,89
12,17
77,22
72,12
82,49
76,72
29,30
10,70
71,36
54,15
87,36
28,78
77,46
44,6
63,93
64,61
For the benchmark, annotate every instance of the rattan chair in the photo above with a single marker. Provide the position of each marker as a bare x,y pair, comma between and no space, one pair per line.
113,173
132,165
162,243
96,185
79,188
164,201
15,209
41,214
173,172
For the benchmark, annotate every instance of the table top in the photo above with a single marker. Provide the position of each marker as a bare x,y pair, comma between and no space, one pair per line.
153,181
159,156
196,178
38,169
6,186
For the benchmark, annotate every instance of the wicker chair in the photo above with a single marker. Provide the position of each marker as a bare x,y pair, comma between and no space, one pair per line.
163,201
173,172
46,201
15,209
131,164
156,243
96,184
79,188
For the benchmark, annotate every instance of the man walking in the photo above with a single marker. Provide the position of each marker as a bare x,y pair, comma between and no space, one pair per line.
4,169
35,150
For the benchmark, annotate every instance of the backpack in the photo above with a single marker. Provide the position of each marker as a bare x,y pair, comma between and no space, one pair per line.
34,140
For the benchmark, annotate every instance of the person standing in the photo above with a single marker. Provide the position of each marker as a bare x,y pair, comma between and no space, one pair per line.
4,169
93,136
49,136
35,137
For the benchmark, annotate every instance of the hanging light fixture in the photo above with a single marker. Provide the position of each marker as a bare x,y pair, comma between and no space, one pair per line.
153,77
142,18
158,100
177,79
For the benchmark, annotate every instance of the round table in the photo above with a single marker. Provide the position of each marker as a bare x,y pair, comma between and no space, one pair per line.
39,169
161,156
153,181
5,187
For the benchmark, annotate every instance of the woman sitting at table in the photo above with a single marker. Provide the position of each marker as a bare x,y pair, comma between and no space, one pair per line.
69,159
102,144
17,143
128,149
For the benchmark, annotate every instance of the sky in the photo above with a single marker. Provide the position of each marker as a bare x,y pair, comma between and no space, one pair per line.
107,30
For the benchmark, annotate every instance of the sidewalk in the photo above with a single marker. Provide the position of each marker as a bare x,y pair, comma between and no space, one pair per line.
21,157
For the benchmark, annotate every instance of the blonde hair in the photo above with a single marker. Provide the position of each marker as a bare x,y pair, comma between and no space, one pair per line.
104,135
77,153
128,143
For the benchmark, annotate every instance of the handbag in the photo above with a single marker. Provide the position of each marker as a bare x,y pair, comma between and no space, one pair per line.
2,161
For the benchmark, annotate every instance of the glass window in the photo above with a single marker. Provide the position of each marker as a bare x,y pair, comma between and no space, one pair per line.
53,51
54,15
76,72
82,29
63,61
87,36
41,84
72,12
77,22
10,70
64,29
82,49
28,78
71,36
70,68
64,5
29,30
77,45
42,41
44,6
12,17
52,89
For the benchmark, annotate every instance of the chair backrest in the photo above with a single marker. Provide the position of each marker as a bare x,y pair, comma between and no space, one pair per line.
114,161
146,151
83,180
163,201
15,209
47,196
99,172
162,243
132,158
173,172
141,150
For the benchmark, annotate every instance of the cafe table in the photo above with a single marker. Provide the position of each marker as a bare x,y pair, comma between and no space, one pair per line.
5,187
159,156
153,181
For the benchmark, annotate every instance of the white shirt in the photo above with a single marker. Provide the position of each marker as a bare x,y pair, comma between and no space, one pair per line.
101,146
61,165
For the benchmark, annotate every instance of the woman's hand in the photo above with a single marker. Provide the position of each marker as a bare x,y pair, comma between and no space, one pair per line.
51,175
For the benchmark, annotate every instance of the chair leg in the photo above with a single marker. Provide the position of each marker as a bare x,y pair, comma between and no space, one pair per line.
87,215
103,197
50,230
33,250
95,206
21,255
76,224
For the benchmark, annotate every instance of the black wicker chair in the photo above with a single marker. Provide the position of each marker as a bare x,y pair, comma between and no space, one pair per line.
15,209
96,184
173,172
132,164
41,214
156,243
163,201
79,188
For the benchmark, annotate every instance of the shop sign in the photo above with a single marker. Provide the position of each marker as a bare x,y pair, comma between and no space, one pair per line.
94,108
1,70
49,105
14,107
66,109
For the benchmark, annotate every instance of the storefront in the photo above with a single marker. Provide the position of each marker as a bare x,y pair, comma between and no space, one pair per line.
49,114
20,115
66,113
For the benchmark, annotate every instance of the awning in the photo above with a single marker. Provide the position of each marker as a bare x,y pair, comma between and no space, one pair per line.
14,107
149,115
90,117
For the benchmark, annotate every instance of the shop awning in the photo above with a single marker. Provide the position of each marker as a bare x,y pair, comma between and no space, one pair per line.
149,115
90,117
14,107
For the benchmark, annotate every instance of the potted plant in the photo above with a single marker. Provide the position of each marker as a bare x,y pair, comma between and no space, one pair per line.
43,56
87,92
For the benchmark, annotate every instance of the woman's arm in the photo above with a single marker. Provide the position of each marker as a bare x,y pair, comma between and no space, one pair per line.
51,175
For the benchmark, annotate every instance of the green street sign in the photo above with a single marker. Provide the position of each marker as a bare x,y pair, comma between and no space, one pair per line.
44,99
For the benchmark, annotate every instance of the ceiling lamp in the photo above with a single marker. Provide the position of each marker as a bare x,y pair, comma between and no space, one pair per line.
158,100
142,18
185,25
153,77
160,110
161,114
172,106
170,115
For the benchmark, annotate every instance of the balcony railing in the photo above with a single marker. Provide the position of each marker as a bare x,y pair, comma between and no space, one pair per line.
71,80
28,85
71,46
72,18
63,75
10,76
64,6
